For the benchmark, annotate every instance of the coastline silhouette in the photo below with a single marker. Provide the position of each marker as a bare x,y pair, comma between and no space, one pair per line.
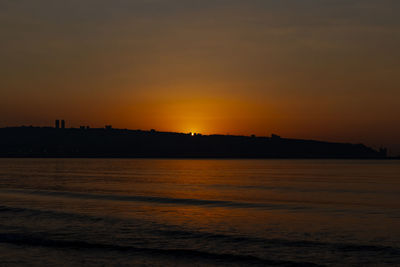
84,141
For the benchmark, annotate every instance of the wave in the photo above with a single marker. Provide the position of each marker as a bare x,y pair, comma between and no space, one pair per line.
279,242
293,206
41,212
155,199
31,240
169,233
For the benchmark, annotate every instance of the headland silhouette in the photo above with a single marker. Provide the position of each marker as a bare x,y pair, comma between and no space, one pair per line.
59,141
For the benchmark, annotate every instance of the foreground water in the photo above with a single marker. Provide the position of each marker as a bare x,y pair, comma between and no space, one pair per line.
199,212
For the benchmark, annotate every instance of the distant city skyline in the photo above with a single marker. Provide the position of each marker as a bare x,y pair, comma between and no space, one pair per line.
58,141
61,124
325,70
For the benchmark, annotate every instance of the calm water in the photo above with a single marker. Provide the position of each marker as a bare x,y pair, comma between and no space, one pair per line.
199,212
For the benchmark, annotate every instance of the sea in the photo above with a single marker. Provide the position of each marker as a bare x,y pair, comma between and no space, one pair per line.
199,212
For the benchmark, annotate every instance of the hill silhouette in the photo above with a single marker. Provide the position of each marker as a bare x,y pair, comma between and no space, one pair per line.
109,142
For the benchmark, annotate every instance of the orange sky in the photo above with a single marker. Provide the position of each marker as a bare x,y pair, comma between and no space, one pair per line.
309,69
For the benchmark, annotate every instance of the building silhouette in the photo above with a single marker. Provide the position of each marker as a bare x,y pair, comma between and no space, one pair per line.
63,124
57,124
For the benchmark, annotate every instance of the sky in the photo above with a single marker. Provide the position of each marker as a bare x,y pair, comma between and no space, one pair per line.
312,69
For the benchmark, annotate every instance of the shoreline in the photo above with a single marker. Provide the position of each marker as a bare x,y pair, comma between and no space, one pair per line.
182,157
